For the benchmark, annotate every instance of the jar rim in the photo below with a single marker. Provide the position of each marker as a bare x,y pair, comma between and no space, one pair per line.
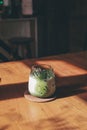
42,66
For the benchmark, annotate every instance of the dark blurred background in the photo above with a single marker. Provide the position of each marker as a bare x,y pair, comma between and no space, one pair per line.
64,25
61,25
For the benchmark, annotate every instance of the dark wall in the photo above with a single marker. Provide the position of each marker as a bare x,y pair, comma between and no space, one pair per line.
53,26
62,26
78,26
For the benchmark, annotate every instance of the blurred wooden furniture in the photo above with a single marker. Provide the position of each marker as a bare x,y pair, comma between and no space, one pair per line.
67,111
5,51
21,47
21,27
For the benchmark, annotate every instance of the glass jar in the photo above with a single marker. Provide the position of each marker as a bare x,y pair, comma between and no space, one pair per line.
41,81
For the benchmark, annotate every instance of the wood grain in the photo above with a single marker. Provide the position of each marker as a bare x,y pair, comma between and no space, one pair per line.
66,112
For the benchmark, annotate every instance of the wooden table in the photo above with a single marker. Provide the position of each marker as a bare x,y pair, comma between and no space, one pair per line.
67,112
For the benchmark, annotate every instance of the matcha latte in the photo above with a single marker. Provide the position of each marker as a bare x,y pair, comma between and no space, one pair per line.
41,81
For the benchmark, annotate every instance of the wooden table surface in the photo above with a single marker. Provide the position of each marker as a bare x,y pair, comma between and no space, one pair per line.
67,112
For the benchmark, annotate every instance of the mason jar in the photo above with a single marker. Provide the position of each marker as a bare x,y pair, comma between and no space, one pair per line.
42,81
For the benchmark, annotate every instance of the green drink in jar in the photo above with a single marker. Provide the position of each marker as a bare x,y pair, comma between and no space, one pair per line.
42,81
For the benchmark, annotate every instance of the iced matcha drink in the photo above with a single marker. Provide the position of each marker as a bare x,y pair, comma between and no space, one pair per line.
41,81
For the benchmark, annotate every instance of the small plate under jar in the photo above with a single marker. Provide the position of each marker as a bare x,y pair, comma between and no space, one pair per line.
28,96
